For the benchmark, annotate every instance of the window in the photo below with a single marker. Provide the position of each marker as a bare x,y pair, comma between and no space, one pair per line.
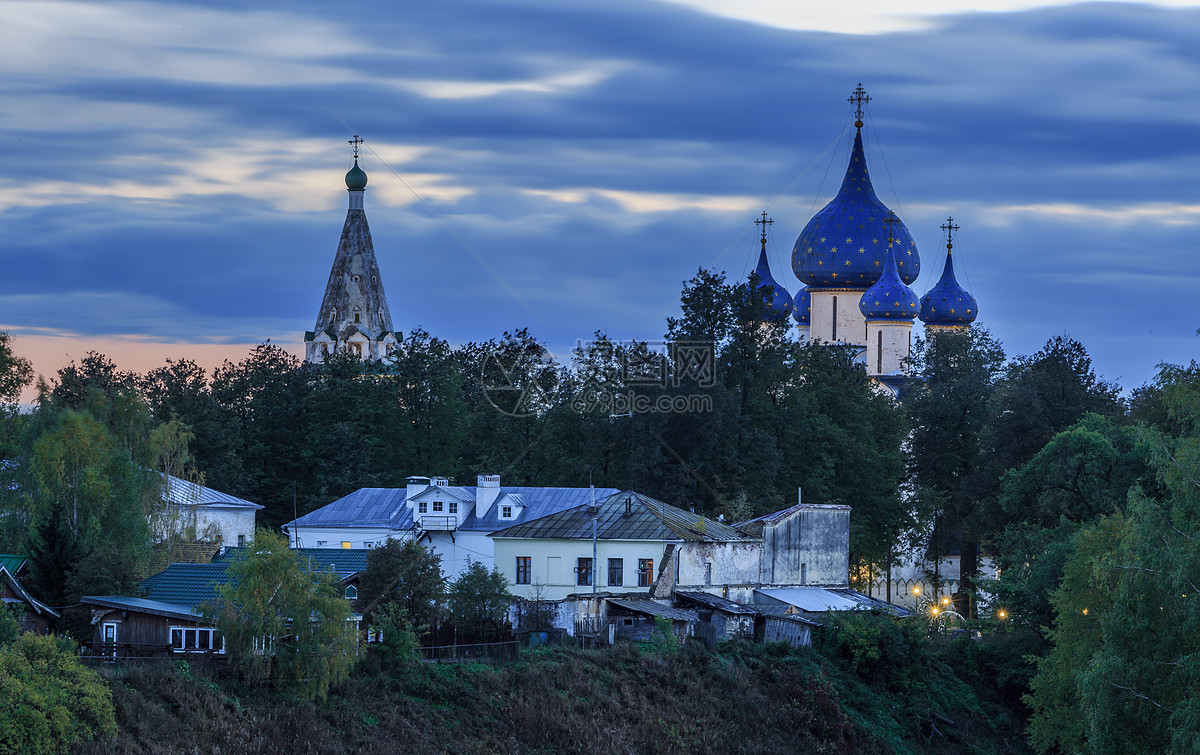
423,507
110,638
346,544
368,545
351,592
437,506
645,572
616,568
708,573
834,319
325,349
322,543
523,570
804,574
356,347
357,317
241,541
879,353
195,640
583,571
506,512
453,507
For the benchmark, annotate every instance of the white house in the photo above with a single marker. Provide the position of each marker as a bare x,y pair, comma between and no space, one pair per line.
453,520
201,513
642,545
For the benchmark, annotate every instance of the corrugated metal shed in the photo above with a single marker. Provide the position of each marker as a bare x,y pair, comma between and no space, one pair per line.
625,516
651,608
716,602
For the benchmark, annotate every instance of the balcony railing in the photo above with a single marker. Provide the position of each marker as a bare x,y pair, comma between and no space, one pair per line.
440,523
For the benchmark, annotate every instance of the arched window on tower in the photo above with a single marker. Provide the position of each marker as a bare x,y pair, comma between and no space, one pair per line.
333,316
357,315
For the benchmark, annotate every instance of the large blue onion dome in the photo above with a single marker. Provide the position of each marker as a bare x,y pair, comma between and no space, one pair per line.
802,307
845,244
778,300
356,177
888,298
948,303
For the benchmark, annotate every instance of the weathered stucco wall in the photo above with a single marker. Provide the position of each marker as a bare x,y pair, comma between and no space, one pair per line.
553,564
703,566
809,547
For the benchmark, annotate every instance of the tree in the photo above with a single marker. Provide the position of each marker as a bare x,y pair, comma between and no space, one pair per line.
479,601
50,701
284,621
948,410
408,575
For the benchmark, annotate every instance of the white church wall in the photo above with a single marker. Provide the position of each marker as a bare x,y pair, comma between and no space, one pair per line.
888,346
851,325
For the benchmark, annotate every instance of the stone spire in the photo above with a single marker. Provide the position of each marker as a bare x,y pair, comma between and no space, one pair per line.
354,315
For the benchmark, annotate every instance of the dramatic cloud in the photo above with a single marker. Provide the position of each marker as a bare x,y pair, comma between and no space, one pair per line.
171,172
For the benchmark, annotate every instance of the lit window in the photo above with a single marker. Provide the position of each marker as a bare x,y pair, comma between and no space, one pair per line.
645,572
345,543
583,571
523,570
616,572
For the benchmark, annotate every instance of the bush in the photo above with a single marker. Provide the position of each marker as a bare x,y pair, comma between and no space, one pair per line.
48,700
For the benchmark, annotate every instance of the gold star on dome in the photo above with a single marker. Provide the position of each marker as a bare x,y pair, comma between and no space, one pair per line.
862,250
876,263
874,241
822,239
833,250
847,263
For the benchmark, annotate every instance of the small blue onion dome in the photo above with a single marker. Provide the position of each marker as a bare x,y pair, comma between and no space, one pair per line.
948,303
844,245
889,298
802,310
356,178
778,300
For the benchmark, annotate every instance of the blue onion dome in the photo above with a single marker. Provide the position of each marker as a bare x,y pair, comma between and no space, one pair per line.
948,303
356,178
888,298
778,300
845,244
802,310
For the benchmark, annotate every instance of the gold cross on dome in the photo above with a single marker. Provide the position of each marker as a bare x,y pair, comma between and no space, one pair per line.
949,228
763,222
891,219
357,140
858,99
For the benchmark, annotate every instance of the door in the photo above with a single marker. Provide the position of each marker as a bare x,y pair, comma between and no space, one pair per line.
109,634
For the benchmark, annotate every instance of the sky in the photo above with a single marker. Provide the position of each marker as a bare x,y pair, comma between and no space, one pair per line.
171,174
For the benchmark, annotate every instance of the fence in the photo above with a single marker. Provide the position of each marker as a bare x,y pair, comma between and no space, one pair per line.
492,651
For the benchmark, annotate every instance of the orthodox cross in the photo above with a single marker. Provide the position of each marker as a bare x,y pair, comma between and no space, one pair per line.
764,223
357,140
859,98
949,228
891,220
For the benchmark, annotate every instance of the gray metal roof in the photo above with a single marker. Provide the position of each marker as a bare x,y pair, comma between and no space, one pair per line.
641,605
755,526
186,493
143,605
716,602
812,599
625,516
385,508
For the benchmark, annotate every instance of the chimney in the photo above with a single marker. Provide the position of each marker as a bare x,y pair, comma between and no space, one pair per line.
415,486
799,495
487,490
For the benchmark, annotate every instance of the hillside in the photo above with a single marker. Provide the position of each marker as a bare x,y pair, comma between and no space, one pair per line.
629,699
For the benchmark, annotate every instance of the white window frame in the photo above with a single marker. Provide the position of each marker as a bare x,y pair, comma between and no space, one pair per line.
193,633
422,507
111,651
506,512
453,507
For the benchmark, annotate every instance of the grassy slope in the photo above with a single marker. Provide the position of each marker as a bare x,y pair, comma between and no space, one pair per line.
745,699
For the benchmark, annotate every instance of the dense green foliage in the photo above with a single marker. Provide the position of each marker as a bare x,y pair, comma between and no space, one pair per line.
284,621
479,601
48,700
408,576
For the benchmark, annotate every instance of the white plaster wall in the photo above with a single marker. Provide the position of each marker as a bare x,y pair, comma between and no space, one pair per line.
851,325
226,524
897,344
556,583
732,564
333,537
810,547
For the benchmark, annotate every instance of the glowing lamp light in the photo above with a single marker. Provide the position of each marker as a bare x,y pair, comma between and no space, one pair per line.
945,601
934,610
1002,614
917,590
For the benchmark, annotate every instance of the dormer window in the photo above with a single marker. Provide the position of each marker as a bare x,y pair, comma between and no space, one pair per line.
454,507
437,506
506,512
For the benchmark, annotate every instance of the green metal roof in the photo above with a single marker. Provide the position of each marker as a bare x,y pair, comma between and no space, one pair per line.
12,562
186,584
625,516
345,561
